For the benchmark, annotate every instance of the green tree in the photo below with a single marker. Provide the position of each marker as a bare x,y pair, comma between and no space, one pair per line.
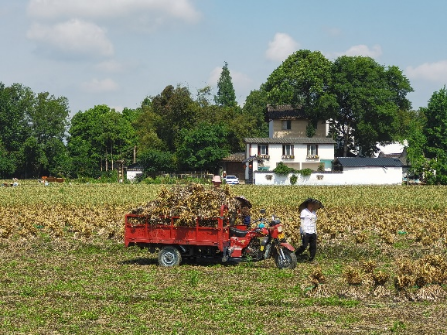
202,148
254,110
435,131
368,98
225,96
174,110
417,142
99,137
156,161
15,103
302,80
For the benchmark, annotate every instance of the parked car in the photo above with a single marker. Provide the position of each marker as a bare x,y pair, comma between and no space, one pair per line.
231,179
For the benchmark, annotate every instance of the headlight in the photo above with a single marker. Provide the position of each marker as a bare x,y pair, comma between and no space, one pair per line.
280,229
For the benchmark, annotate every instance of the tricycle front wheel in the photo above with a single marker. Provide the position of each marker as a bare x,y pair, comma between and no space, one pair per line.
169,256
289,260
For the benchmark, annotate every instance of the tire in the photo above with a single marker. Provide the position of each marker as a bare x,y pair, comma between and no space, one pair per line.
289,262
169,256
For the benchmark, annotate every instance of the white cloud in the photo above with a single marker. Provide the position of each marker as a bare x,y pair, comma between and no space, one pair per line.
358,50
281,47
132,9
364,50
99,86
435,72
73,38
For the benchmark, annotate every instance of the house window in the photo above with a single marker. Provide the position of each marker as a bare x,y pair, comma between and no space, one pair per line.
286,124
312,150
287,150
263,149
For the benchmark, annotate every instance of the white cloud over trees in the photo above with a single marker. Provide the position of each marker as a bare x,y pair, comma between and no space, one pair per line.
281,47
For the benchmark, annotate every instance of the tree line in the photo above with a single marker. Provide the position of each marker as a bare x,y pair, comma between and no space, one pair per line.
366,103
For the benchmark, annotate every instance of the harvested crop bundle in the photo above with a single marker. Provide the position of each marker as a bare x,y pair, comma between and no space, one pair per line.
188,204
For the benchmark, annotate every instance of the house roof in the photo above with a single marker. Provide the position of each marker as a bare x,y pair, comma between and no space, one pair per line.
290,140
284,112
367,161
235,157
135,167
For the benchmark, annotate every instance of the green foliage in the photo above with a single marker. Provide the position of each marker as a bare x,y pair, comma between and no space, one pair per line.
293,179
99,136
203,147
254,108
225,96
156,161
301,80
368,98
283,170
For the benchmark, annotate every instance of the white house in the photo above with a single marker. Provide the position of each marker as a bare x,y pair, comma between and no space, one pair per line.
288,143
133,171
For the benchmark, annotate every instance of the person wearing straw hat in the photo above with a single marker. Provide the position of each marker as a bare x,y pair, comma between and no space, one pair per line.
308,227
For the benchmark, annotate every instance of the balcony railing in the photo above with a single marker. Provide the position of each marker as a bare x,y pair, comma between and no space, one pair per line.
313,157
288,157
264,156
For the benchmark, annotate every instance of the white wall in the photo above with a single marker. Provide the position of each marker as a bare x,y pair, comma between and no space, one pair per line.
350,176
131,175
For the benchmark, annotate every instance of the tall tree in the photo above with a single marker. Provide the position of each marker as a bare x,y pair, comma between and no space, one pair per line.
173,109
435,131
16,101
302,80
368,98
254,108
225,97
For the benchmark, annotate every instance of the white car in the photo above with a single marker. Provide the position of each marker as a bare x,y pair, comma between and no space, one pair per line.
231,179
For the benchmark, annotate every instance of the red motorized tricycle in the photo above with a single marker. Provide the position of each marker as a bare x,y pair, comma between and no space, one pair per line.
209,238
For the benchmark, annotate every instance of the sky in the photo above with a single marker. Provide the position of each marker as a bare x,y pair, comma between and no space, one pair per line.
118,52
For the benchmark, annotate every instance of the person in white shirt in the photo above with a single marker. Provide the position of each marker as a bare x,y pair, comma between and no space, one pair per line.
308,227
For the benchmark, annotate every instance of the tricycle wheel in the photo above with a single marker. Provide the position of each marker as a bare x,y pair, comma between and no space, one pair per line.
169,256
288,262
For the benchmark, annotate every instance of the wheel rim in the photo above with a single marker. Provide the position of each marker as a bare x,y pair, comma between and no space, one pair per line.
284,262
168,258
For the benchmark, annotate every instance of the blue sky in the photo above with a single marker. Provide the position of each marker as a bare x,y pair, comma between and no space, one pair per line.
117,52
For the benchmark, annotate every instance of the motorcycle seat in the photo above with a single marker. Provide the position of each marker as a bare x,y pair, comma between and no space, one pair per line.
238,232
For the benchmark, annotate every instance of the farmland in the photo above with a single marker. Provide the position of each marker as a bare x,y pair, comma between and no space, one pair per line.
381,266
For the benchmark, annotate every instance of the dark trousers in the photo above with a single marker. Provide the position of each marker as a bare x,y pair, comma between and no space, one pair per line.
311,241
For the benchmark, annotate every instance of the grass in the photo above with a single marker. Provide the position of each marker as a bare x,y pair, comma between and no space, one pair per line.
54,283
103,288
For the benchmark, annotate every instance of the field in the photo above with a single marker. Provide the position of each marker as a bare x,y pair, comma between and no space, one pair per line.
382,266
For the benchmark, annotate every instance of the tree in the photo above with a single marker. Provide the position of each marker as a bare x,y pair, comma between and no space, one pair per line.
254,108
302,80
435,131
368,98
98,137
225,96
174,110
15,103
202,148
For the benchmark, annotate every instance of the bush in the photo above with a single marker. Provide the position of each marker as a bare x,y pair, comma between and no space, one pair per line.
293,179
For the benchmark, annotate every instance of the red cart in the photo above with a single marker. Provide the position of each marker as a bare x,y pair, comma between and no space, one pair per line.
175,241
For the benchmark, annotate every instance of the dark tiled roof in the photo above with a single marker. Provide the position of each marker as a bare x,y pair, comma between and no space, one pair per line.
363,162
236,157
284,112
294,140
